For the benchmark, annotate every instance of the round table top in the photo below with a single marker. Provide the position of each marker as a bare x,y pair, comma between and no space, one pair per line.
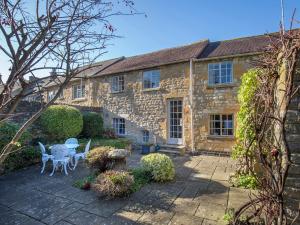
72,145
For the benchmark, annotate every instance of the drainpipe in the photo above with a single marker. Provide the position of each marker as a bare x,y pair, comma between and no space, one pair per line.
191,92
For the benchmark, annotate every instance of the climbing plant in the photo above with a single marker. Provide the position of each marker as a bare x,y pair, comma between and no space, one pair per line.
265,137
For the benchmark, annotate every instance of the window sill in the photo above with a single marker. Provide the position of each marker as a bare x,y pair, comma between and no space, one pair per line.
79,99
213,86
117,92
151,89
220,137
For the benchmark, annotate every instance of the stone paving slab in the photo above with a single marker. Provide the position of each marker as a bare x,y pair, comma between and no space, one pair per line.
199,195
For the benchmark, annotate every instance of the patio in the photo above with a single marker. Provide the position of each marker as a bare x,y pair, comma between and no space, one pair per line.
199,195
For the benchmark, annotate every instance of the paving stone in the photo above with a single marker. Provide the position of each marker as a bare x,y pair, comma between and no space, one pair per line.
62,213
186,206
133,211
117,220
12,217
185,219
216,198
84,218
159,217
63,223
210,222
41,208
210,211
105,208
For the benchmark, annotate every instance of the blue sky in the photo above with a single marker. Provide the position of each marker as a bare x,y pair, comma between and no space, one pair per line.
171,23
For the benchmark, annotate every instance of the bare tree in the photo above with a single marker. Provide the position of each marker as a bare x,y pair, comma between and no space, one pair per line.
64,35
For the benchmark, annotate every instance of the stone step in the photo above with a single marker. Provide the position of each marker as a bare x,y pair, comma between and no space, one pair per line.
292,193
295,158
172,149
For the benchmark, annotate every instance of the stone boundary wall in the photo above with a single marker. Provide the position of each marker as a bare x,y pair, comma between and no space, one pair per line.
26,109
293,140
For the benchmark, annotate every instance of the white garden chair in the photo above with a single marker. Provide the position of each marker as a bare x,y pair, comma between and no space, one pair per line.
60,157
45,156
72,151
82,155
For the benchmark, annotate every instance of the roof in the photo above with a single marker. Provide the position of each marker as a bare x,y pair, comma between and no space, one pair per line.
237,46
158,58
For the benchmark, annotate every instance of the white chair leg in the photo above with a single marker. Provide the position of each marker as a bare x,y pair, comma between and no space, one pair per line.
76,162
54,167
43,168
65,168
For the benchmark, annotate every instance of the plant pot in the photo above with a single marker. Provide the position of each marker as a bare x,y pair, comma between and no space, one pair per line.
146,149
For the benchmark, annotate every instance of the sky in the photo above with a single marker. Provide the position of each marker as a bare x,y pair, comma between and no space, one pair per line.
171,23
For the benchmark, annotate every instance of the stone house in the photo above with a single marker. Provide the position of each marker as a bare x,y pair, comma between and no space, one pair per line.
184,96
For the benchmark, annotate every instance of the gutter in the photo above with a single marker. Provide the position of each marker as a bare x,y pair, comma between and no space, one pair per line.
191,95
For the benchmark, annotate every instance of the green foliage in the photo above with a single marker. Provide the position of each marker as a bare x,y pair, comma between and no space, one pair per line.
60,122
245,126
8,131
98,158
244,180
25,157
141,178
92,125
113,183
160,166
122,143
85,183
229,216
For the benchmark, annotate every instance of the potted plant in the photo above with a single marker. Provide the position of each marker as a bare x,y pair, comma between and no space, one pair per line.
146,147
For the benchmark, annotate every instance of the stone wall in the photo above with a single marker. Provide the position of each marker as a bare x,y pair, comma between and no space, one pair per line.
145,109
217,99
293,139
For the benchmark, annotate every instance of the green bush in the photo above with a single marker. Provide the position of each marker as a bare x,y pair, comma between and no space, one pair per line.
61,122
8,131
244,180
98,159
25,157
113,183
160,166
141,178
92,125
85,183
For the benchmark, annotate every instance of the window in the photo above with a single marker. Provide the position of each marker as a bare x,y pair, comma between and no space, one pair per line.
117,84
78,91
221,125
146,136
220,73
51,95
151,79
119,125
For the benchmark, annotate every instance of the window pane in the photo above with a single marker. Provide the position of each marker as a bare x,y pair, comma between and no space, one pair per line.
151,79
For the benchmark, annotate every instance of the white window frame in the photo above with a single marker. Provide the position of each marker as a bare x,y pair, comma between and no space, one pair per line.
224,130
79,92
51,95
117,84
220,73
146,136
119,126
152,77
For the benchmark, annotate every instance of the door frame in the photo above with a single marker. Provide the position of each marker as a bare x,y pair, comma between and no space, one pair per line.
180,140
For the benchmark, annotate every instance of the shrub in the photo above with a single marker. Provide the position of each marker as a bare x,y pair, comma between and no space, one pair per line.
85,183
141,178
113,183
109,133
98,159
115,143
61,122
8,131
244,180
92,125
20,159
160,166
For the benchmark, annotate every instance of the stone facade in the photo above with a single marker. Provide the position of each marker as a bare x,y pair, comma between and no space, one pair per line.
145,109
218,99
